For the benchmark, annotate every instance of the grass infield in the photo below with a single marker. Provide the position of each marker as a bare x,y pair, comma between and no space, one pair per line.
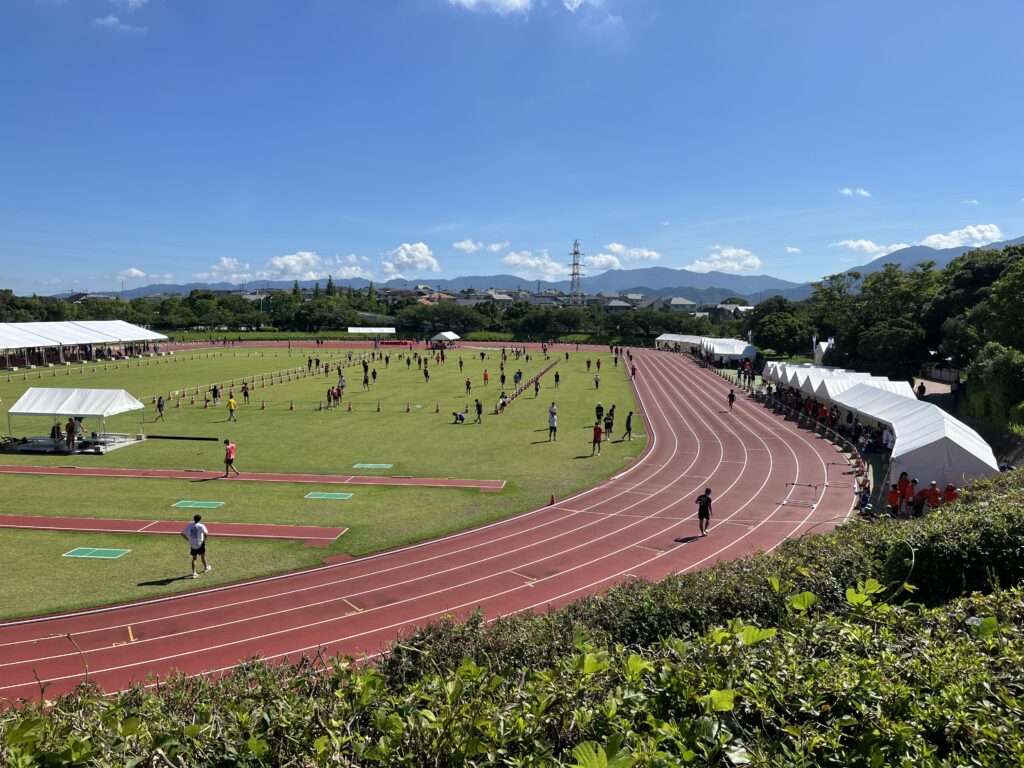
293,435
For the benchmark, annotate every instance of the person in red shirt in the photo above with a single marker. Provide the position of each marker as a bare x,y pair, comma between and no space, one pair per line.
893,500
487,378
229,458
596,445
933,496
909,492
950,494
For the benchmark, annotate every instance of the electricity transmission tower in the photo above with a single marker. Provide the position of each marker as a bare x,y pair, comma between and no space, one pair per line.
575,288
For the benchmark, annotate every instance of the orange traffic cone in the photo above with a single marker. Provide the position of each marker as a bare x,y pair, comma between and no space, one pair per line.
378,406
263,405
177,403
408,407
321,406
350,405
291,405
437,407
192,401
552,502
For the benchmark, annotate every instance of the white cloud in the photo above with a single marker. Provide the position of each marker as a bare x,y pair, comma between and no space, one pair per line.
350,273
573,5
534,267
132,273
472,246
413,257
725,258
129,5
791,249
970,202
665,223
226,269
855,192
111,22
873,249
979,234
624,252
602,261
502,7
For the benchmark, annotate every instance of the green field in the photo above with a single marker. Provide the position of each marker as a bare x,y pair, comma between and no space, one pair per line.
511,447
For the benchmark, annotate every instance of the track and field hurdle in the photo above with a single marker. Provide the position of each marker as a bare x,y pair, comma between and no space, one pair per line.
797,495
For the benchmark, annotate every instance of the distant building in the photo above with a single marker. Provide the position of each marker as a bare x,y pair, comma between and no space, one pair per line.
674,303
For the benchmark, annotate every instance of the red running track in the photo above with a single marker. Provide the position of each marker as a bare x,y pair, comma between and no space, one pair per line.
256,477
638,523
311,535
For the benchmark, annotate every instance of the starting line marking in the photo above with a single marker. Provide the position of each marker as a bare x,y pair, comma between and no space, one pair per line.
198,504
322,495
96,554
372,466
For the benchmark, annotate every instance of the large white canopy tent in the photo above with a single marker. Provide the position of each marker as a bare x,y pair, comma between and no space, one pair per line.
446,336
15,337
669,340
729,349
930,444
58,402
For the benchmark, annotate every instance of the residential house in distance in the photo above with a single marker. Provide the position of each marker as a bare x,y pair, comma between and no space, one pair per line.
724,312
634,299
674,303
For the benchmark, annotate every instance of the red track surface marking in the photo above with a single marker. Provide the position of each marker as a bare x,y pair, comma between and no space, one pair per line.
641,522
312,535
257,477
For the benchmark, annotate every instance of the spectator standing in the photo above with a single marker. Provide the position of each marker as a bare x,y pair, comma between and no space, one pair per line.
195,533
230,449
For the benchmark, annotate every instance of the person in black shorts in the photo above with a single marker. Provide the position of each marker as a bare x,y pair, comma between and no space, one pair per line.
704,511
731,398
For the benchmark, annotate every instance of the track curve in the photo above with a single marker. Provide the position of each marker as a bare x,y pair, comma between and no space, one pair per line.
638,523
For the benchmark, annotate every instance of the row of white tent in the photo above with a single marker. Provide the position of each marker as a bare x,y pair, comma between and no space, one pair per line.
930,443
724,349
70,333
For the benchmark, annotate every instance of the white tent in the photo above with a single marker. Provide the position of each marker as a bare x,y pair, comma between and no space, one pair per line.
57,402
729,349
930,444
682,339
446,336
54,401
26,336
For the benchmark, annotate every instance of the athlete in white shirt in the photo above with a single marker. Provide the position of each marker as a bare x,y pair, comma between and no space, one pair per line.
196,533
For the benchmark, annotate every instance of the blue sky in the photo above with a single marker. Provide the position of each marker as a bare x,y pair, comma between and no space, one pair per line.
246,140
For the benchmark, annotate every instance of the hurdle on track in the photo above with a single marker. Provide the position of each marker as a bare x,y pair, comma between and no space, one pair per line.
793,488
838,483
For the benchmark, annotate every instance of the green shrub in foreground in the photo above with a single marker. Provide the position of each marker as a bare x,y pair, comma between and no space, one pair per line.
879,687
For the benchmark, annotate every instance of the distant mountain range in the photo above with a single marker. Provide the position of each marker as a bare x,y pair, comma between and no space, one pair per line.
702,287
908,258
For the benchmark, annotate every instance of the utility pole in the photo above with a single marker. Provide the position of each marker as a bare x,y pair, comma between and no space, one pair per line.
575,287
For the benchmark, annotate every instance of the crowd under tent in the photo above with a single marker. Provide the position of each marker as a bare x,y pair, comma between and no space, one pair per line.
80,337
930,443
79,404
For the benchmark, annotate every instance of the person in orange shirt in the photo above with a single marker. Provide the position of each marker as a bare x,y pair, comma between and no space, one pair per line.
909,502
933,496
950,494
893,500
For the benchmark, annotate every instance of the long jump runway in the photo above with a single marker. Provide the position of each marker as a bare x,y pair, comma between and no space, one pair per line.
641,522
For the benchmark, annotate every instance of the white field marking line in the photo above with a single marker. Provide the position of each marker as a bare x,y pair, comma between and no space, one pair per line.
615,532
366,632
358,576
148,526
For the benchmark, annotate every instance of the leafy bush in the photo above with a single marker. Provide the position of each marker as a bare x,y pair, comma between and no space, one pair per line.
881,686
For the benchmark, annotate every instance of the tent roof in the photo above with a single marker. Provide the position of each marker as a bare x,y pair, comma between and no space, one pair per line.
446,336
679,338
23,335
729,348
354,329
54,401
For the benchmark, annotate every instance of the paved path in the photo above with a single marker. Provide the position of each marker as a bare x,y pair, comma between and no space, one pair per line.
639,523
312,535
